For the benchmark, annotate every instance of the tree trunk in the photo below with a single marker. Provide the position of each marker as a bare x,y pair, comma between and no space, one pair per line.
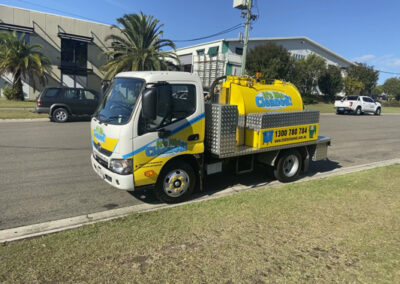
17,85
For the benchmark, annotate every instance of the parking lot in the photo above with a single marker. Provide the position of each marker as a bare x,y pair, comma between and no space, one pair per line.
45,171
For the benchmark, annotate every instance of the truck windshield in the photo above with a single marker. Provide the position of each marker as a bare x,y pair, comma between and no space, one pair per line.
119,100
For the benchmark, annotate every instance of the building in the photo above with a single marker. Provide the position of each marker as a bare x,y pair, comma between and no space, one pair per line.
73,46
223,57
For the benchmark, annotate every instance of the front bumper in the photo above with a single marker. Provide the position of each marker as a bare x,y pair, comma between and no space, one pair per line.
124,182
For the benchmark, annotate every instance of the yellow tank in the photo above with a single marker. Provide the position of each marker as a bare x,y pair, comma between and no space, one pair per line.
251,96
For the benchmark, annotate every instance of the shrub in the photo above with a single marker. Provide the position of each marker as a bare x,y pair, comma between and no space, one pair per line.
11,94
307,100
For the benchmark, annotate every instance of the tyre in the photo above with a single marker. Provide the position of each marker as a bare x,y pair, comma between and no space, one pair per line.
288,166
176,182
378,111
60,115
358,111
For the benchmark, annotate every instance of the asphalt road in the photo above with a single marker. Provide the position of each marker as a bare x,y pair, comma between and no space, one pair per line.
45,171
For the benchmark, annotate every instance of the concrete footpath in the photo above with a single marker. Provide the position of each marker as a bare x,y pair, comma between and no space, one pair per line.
35,230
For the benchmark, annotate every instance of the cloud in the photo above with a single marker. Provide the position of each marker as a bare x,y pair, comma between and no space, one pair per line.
364,58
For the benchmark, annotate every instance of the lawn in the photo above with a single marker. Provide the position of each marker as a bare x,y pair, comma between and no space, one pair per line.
4,103
341,229
328,108
20,113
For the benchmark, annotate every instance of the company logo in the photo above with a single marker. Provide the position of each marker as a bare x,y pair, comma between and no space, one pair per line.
166,147
273,100
268,136
99,134
312,129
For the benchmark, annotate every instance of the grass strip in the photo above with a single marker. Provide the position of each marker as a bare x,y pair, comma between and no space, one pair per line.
4,103
339,229
17,113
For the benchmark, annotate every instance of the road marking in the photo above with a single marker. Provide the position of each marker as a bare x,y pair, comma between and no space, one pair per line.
45,228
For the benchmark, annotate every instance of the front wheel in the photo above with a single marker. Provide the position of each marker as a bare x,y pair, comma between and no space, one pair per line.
176,182
289,166
378,111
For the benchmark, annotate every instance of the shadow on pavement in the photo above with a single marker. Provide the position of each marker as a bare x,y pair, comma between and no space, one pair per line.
259,177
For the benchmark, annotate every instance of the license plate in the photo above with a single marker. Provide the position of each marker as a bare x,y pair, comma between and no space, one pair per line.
341,108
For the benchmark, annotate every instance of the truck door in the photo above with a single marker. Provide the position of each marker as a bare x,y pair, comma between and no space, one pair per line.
180,132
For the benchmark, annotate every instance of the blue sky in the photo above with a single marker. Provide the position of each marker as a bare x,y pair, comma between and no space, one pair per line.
365,31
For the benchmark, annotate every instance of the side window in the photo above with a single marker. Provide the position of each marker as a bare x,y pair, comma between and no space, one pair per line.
183,101
71,94
89,95
183,104
51,93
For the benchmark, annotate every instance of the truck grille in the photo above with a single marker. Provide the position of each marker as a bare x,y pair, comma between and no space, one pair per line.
101,161
102,150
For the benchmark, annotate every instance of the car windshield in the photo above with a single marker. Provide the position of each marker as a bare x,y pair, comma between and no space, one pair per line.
119,101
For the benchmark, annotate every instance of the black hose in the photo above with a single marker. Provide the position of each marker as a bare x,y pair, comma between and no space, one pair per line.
213,86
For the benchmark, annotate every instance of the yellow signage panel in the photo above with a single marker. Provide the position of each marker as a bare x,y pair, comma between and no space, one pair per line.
281,136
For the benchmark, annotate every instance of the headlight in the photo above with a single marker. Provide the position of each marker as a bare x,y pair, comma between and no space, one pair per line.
122,167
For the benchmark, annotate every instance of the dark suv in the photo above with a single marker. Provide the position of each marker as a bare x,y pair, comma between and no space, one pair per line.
61,102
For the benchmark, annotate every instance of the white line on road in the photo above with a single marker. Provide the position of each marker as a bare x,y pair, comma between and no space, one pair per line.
40,229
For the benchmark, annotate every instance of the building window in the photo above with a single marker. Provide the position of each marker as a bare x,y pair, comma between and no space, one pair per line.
213,51
239,51
187,68
200,51
74,56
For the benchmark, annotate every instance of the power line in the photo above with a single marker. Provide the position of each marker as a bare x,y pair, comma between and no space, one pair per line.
386,72
228,30
57,10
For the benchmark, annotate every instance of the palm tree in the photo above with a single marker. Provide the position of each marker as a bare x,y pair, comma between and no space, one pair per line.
138,47
22,61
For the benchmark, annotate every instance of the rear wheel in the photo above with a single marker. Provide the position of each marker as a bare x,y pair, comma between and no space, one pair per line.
378,111
176,182
288,166
60,115
358,111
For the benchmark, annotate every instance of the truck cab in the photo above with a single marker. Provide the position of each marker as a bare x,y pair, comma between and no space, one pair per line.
132,144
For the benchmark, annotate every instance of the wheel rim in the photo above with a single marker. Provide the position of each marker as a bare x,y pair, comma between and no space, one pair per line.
291,165
176,183
378,111
60,115
358,111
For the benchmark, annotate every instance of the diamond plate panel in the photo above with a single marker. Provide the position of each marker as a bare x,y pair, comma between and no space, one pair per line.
264,120
221,123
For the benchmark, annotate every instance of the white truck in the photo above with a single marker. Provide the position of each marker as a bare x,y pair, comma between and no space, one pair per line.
357,105
157,130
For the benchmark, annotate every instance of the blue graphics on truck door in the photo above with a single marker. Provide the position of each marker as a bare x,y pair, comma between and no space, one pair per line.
179,132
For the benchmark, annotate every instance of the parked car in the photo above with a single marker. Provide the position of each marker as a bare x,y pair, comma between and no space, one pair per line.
358,105
61,102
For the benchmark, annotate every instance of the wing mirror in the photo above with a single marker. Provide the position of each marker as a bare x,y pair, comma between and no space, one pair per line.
149,104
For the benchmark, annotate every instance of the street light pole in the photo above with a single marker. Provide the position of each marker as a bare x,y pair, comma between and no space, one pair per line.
246,36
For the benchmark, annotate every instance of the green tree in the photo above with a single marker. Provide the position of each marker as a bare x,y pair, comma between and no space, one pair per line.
330,82
378,90
307,73
138,46
392,87
365,74
21,60
272,60
352,86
